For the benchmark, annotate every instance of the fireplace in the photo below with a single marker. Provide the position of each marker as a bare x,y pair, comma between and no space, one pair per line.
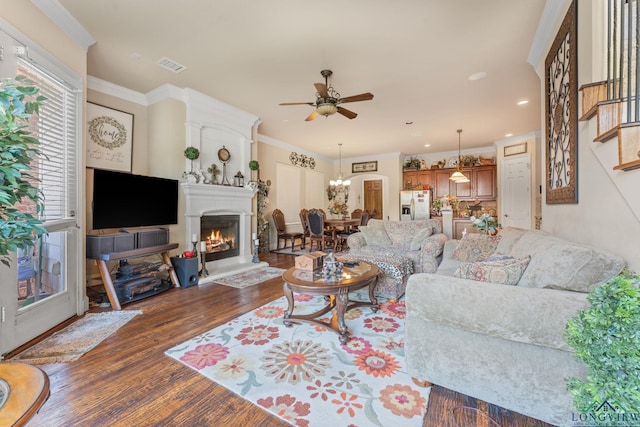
230,210
221,233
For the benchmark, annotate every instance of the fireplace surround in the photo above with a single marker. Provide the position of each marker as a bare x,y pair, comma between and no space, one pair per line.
206,200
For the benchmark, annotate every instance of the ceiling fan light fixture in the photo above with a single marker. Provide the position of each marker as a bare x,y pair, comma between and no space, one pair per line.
326,109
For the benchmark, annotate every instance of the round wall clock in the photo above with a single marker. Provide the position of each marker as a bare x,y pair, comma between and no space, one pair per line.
223,154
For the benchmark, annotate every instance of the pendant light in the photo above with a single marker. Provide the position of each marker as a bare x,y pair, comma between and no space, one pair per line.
458,177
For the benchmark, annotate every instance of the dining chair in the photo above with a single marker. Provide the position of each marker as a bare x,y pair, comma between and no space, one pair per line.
305,226
281,228
364,219
317,233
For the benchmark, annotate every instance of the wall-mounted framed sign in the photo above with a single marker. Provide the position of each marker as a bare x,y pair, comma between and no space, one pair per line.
371,166
512,150
109,139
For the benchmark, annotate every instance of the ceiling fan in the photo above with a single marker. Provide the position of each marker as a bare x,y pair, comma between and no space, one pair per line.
327,100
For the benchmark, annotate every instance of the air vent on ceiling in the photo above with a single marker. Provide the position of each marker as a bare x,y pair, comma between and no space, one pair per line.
170,65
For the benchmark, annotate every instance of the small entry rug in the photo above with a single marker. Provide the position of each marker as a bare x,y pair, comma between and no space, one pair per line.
70,343
303,375
250,277
287,251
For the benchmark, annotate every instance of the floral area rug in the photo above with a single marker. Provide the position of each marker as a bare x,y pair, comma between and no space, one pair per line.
303,375
250,278
70,343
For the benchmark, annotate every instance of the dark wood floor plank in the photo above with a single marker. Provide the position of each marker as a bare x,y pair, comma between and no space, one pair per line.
127,380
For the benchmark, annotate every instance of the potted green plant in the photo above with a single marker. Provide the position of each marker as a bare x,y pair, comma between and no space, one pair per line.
191,153
412,163
18,229
255,167
606,337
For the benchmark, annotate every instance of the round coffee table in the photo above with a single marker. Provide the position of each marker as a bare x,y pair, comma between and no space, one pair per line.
336,291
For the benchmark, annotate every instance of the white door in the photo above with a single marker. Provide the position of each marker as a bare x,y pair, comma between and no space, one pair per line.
44,286
516,191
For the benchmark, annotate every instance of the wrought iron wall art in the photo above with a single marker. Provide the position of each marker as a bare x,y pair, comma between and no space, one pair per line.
302,160
561,91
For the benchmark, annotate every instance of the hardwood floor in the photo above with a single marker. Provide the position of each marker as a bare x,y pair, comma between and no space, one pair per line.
128,381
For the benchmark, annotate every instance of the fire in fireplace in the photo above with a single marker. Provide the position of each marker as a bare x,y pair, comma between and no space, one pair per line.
221,235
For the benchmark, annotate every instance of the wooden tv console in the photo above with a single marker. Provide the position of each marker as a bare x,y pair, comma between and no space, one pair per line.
109,286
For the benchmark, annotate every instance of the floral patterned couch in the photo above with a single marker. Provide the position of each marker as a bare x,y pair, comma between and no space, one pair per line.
399,249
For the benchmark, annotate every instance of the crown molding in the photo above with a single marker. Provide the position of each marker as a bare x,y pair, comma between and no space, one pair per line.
288,147
65,21
112,89
551,15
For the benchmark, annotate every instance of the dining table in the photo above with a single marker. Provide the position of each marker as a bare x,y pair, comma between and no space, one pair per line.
340,226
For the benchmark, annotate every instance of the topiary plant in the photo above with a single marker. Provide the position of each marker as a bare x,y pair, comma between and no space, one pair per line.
254,165
606,337
18,228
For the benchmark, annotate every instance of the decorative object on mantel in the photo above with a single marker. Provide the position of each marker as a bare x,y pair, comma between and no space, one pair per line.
191,153
302,160
458,177
224,156
339,186
561,112
238,180
214,170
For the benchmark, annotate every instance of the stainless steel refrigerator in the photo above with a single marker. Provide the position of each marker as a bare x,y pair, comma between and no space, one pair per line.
415,205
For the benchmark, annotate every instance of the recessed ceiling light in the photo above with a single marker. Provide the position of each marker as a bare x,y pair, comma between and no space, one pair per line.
427,145
508,135
523,102
478,76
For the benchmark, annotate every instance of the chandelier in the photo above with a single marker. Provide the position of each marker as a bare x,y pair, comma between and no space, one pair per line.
458,177
339,186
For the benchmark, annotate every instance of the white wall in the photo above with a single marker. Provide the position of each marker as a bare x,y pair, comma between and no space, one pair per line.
604,216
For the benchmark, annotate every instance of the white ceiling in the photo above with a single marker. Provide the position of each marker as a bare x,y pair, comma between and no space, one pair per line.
415,56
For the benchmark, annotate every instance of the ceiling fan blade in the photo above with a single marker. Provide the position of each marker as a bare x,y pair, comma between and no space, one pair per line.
311,116
322,90
297,103
355,98
347,113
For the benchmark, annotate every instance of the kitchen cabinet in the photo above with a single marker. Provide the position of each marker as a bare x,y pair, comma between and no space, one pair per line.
414,179
484,178
482,184
441,182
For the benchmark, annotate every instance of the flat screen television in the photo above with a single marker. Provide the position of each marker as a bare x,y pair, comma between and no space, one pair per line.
127,200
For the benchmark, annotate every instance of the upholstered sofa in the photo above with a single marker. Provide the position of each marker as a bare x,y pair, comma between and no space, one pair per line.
503,342
399,249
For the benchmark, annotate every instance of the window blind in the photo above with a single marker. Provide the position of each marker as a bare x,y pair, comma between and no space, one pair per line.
56,127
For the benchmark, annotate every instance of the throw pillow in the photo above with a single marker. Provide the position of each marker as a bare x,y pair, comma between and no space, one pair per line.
475,247
416,242
505,272
375,236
